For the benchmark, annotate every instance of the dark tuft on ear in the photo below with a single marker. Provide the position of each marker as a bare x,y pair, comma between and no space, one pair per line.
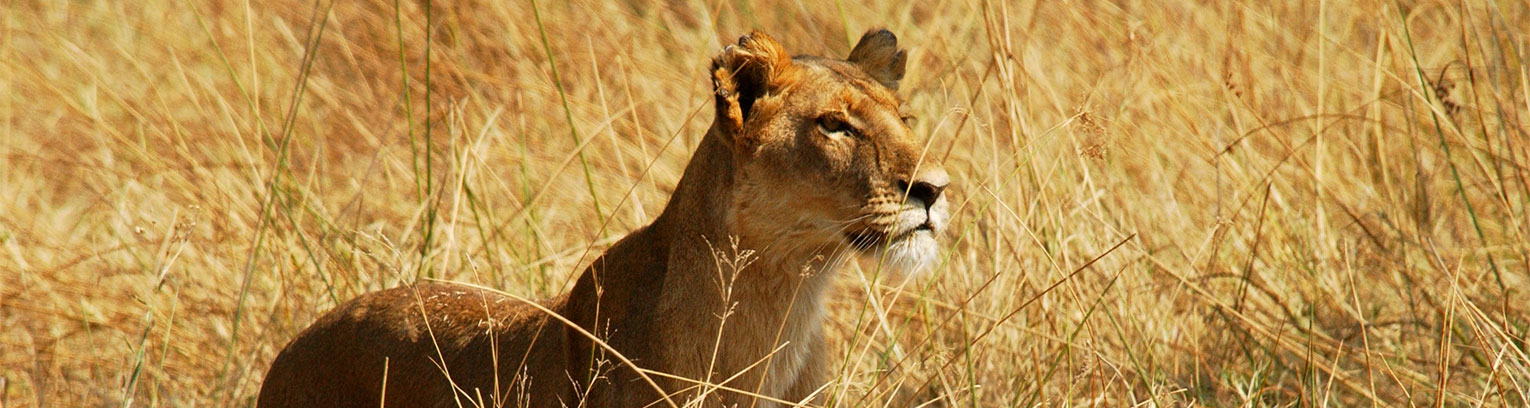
743,73
878,55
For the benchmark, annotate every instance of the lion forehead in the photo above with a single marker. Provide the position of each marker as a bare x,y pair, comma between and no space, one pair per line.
855,80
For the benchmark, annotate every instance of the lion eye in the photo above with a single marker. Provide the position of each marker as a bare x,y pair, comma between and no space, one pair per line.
834,126
909,120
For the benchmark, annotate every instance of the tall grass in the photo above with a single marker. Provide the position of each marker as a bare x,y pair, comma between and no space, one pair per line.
1166,203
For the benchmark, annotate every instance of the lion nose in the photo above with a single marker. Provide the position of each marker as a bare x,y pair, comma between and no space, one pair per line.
928,185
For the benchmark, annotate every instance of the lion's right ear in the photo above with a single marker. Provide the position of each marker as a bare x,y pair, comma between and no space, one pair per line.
743,73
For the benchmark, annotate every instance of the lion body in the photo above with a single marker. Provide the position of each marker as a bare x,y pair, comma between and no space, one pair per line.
720,301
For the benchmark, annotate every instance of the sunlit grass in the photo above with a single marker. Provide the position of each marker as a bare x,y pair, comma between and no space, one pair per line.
1315,203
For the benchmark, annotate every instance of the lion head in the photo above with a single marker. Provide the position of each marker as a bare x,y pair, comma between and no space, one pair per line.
825,157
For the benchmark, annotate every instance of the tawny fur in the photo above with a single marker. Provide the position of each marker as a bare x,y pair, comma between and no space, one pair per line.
809,162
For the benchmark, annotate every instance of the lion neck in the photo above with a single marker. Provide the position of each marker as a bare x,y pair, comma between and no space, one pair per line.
701,201
780,289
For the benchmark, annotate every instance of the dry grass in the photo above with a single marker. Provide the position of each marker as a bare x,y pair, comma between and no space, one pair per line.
1329,202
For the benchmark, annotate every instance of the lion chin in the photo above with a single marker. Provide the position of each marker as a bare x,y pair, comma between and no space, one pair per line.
906,256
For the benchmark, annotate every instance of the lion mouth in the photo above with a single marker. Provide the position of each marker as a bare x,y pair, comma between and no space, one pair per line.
904,253
867,240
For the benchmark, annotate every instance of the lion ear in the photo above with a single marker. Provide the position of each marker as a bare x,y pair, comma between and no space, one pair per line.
878,55
743,73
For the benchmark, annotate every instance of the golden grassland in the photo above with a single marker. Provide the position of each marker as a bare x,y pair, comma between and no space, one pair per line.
1317,204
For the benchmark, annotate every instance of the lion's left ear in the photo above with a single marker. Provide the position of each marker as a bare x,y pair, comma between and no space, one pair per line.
877,53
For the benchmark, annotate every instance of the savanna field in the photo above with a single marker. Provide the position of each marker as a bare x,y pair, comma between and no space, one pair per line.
1154,203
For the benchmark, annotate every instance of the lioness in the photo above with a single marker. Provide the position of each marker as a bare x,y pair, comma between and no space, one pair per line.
809,159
